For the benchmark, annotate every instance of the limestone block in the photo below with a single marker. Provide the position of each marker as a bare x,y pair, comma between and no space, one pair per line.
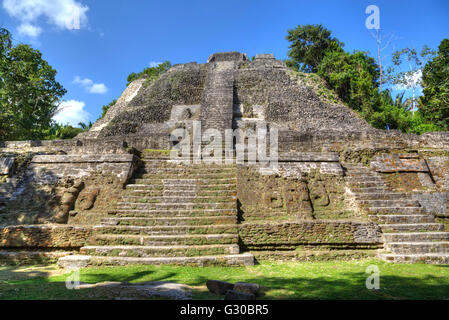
236,295
246,287
309,156
219,287
318,194
86,199
396,163
6,166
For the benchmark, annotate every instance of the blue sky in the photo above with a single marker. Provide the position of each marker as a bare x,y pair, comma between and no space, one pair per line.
118,37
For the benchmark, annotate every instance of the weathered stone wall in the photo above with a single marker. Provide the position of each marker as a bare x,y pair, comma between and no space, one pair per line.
44,236
422,174
48,168
436,203
439,167
290,235
181,85
308,186
53,185
289,103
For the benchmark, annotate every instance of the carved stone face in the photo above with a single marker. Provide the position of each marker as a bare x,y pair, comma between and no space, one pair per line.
186,114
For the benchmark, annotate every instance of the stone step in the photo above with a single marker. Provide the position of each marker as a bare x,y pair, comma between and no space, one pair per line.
353,166
163,240
170,221
188,161
395,210
413,227
416,236
174,213
185,175
201,193
401,219
161,251
363,178
186,181
381,196
31,256
70,262
361,172
179,199
370,190
418,247
368,184
180,193
389,203
167,230
189,186
163,206
429,258
185,169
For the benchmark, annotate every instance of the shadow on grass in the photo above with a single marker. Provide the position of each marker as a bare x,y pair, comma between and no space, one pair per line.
332,283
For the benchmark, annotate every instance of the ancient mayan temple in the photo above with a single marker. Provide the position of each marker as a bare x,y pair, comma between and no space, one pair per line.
115,196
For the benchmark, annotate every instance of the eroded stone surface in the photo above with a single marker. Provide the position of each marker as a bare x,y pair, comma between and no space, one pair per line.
396,163
6,165
219,287
142,290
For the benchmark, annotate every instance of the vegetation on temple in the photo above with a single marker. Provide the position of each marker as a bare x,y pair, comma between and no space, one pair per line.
151,73
355,78
30,95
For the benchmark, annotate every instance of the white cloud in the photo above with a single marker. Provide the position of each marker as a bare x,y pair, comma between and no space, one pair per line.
410,80
154,64
29,30
64,14
71,112
99,88
90,86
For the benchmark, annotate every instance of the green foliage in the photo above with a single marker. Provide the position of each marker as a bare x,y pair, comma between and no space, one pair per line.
105,108
354,77
151,73
29,93
407,68
434,105
57,131
397,114
309,44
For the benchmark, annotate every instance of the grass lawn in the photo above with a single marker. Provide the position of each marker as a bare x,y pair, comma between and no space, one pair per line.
281,280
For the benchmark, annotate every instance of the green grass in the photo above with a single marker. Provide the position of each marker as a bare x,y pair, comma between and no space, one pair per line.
281,280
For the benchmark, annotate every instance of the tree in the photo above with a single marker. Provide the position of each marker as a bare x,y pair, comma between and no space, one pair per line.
381,46
29,93
354,77
151,73
309,44
434,105
409,79
58,131
85,127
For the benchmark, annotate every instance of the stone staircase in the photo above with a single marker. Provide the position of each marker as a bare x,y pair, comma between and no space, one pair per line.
170,214
218,96
410,234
